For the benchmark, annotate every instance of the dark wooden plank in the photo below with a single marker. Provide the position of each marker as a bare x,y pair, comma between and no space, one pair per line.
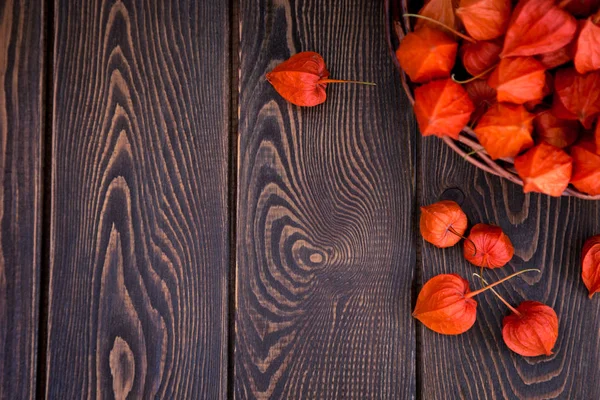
547,234
139,257
21,137
325,221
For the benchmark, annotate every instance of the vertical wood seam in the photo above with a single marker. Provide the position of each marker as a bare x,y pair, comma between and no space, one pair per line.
47,111
418,277
234,63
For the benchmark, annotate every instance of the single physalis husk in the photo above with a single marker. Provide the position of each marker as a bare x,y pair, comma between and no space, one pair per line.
488,246
590,265
555,131
480,56
443,223
485,19
586,168
544,169
587,46
577,96
442,108
531,330
427,54
505,130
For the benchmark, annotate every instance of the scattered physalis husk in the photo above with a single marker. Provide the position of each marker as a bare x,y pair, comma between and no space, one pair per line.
505,130
537,27
443,223
586,167
485,19
518,80
488,246
555,131
480,56
442,108
544,169
427,54
445,303
531,330
302,79
590,265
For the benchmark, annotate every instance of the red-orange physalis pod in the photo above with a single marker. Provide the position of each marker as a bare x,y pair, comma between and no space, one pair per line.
578,94
586,168
442,108
443,223
518,80
590,265
482,96
439,10
487,246
556,58
531,330
480,56
555,131
302,79
485,19
505,130
537,27
427,54
544,169
587,46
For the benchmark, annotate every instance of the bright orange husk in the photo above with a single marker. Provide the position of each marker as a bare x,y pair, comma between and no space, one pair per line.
587,47
537,27
518,80
586,168
442,306
442,108
485,19
544,169
297,79
532,330
443,223
427,54
487,246
555,131
440,10
556,58
480,56
590,265
577,96
505,130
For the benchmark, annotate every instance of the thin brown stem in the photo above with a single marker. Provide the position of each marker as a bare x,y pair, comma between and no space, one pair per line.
502,299
476,292
344,81
474,78
461,35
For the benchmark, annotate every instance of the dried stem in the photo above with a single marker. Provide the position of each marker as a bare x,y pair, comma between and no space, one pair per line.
476,292
502,299
470,39
474,78
343,81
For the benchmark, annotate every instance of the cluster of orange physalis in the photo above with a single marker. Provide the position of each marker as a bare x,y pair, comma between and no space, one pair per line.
533,97
446,304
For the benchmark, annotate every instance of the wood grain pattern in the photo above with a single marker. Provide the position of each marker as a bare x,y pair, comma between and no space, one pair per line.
547,234
325,236
139,234
21,137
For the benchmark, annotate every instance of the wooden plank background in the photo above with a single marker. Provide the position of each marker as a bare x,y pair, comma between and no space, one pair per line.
179,255
139,239
21,139
325,228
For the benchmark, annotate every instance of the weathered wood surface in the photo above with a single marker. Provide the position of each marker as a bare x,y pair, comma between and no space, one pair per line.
325,249
21,139
139,234
547,234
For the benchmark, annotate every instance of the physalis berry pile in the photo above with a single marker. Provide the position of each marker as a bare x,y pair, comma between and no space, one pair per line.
532,94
